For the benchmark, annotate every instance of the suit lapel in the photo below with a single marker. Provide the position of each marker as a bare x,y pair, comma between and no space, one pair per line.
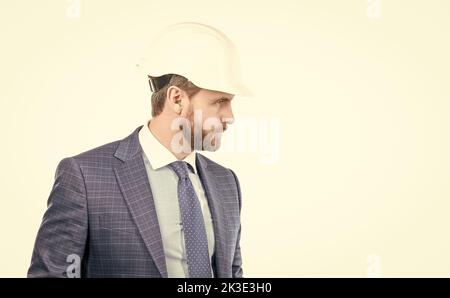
220,223
133,182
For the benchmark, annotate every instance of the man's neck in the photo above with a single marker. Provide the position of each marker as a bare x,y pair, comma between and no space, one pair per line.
164,134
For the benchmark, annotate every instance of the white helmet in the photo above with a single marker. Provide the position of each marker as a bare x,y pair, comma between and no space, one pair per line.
200,53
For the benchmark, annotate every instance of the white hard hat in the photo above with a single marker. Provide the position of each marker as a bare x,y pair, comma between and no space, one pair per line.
200,53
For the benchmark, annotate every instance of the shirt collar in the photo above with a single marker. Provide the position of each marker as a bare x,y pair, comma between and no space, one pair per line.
158,155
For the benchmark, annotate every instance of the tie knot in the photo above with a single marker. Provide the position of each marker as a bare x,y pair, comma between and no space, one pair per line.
180,167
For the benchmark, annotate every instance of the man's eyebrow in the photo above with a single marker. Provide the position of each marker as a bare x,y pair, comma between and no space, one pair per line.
222,98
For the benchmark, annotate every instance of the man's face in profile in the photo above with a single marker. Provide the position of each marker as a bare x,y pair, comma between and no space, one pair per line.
208,114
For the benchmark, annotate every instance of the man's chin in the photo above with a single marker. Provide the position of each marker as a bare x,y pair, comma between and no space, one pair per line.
210,145
208,148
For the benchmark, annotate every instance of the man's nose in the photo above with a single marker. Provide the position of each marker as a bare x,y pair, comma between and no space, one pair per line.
227,116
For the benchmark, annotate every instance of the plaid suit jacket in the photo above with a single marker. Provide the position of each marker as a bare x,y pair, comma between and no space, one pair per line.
101,218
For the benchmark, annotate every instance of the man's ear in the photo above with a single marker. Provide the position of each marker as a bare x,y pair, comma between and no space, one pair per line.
175,99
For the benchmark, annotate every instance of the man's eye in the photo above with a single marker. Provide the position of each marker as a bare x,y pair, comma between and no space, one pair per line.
220,101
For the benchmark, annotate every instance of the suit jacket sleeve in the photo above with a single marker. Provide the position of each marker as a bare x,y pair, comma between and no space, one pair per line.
61,240
237,261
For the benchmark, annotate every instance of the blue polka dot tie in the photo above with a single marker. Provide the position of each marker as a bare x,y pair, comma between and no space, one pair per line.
195,239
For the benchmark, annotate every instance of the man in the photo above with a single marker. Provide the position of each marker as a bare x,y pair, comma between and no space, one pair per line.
150,205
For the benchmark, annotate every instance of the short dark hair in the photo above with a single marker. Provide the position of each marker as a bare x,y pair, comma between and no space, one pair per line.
159,97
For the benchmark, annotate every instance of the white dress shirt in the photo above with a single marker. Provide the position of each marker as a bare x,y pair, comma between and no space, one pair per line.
164,185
